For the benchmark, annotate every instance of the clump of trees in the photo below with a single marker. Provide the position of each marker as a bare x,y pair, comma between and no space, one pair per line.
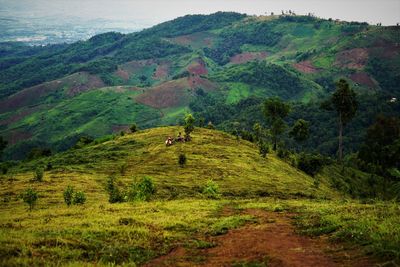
138,191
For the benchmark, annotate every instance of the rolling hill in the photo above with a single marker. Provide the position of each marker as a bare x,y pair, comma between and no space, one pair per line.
52,95
254,193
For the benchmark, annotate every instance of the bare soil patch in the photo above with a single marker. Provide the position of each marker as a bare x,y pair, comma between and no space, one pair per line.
248,56
198,67
305,67
352,59
162,71
273,240
363,78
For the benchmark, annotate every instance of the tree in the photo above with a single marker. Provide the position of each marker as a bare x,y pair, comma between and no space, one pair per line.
344,102
382,143
3,144
189,126
300,130
30,196
275,110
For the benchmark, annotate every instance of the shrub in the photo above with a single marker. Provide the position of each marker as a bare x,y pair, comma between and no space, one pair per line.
264,149
79,198
142,191
114,195
68,195
38,175
211,190
30,196
310,164
133,128
182,160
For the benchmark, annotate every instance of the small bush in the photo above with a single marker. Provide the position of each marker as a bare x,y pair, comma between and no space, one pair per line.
30,196
133,128
114,194
79,198
68,195
310,164
264,149
211,190
142,191
182,160
38,175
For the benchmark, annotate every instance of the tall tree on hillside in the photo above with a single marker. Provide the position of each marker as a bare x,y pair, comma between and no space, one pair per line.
189,126
3,144
275,110
344,102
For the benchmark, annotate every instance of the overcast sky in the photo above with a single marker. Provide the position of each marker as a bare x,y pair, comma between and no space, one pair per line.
154,11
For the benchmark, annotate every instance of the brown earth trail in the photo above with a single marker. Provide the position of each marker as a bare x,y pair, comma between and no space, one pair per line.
272,241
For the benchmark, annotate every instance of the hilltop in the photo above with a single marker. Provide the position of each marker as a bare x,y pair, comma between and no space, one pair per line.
256,203
208,64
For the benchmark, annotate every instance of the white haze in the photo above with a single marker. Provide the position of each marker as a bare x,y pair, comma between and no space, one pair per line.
155,11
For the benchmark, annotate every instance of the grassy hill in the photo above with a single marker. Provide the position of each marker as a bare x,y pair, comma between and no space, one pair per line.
179,213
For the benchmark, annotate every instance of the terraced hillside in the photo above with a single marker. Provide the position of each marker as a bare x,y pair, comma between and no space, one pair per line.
231,57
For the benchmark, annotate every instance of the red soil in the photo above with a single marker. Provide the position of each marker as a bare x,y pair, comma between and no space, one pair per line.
200,39
198,67
272,239
32,95
78,87
122,74
352,59
363,78
248,56
173,93
305,67
162,71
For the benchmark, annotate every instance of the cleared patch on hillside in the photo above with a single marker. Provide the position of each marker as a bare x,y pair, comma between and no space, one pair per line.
195,40
16,116
305,67
162,71
363,78
174,93
198,67
248,56
67,87
16,136
352,59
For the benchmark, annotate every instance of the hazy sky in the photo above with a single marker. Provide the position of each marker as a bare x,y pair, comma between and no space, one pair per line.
151,12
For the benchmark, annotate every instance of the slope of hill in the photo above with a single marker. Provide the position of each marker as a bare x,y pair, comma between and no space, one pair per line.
179,215
302,55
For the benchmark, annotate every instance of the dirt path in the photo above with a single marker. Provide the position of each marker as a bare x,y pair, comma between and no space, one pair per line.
270,242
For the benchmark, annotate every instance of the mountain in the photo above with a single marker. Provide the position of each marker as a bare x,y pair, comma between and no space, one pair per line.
212,64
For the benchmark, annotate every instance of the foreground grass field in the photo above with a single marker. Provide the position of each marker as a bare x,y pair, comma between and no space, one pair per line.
179,214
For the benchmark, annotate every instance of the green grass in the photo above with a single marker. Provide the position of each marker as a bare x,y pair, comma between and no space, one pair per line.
237,91
99,233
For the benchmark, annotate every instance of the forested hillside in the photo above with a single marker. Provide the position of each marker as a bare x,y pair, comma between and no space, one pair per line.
215,66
